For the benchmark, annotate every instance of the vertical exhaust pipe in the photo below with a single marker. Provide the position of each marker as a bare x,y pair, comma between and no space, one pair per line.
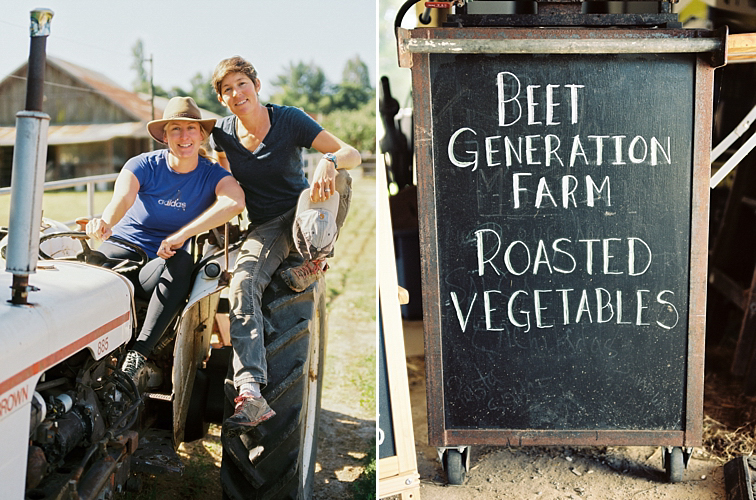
29,160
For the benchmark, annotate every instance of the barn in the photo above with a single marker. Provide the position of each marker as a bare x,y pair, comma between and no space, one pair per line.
95,124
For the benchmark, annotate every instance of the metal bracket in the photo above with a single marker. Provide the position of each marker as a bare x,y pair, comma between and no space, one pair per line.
686,451
464,450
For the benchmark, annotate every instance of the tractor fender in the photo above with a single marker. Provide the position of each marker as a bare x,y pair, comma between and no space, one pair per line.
192,344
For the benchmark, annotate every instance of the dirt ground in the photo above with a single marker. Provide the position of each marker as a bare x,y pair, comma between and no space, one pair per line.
550,473
347,420
606,473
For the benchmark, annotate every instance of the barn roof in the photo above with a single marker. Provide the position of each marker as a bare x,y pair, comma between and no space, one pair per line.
128,101
136,106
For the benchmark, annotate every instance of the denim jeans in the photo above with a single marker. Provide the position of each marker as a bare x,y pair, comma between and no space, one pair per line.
266,246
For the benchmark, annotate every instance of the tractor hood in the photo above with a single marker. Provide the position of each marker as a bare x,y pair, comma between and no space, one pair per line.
77,307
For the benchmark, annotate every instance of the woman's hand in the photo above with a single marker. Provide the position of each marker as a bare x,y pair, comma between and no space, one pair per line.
324,181
98,229
169,246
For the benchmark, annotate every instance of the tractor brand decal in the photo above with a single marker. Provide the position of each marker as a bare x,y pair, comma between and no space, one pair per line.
13,399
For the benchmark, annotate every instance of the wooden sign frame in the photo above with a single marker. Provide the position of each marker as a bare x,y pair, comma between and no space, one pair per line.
415,47
397,475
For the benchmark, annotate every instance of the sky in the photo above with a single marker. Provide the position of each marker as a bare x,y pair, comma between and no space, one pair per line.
192,36
400,79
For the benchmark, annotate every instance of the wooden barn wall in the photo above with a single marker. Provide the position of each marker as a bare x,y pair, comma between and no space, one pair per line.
67,101
79,160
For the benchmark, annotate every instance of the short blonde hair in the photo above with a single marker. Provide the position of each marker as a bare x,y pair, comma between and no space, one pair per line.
236,64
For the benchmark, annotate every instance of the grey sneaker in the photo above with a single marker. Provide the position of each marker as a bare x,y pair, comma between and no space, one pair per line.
300,277
250,411
134,367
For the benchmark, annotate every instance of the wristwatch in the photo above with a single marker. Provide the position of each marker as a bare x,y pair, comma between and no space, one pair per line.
332,158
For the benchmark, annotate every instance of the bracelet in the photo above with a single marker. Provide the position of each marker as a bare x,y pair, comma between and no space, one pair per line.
332,158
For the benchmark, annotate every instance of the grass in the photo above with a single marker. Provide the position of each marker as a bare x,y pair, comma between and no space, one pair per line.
363,379
350,368
364,487
62,206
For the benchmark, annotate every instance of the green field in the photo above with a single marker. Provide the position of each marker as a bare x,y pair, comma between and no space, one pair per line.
63,206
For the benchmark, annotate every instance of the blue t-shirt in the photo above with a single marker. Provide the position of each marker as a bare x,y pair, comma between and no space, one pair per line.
167,200
272,176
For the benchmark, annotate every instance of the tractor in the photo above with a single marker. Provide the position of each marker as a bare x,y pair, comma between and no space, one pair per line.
72,424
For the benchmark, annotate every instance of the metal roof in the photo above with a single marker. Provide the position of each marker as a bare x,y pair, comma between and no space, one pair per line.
78,134
128,101
135,105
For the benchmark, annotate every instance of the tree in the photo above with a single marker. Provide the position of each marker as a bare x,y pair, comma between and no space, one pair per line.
349,107
355,88
356,127
349,96
302,85
204,95
356,72
201,89
142,81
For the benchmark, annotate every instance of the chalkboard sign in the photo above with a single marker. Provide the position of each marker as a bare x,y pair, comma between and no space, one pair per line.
397,464
565,270
561,212
386,446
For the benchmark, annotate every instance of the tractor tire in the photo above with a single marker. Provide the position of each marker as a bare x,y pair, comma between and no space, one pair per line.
276,460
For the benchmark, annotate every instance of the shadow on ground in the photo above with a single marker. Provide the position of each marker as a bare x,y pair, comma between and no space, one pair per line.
343,445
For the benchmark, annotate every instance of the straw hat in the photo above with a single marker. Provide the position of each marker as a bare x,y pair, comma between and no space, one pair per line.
179,109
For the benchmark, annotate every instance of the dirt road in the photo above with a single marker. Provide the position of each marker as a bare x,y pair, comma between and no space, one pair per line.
347,423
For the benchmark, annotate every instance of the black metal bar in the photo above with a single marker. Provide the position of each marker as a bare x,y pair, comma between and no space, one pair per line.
35,79
665,20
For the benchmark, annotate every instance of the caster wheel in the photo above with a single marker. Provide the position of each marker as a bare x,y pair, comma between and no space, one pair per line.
674,464
455,467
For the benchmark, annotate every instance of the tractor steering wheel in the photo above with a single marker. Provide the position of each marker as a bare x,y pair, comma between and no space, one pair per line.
96,258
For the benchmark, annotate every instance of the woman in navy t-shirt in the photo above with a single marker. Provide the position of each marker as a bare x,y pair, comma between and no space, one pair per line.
262,146
161,199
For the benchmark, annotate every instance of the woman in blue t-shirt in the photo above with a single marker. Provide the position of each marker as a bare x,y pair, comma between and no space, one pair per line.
262,146
160,200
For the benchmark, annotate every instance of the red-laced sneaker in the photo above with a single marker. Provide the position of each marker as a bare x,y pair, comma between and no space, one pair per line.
300,277
249,412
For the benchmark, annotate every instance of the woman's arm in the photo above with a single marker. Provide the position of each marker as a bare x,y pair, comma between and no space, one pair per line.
324,177
229,202
124,193
222,160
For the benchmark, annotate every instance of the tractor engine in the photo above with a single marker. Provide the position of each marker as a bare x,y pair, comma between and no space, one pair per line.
78,409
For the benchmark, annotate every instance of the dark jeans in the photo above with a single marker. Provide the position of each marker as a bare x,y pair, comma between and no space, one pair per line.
165,284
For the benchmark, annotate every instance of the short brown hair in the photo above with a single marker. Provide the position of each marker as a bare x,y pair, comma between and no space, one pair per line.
234,64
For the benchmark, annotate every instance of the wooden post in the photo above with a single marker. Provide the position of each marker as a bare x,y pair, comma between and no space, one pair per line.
397,470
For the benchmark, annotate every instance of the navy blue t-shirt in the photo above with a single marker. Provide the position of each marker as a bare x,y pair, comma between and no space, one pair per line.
272,176
167,200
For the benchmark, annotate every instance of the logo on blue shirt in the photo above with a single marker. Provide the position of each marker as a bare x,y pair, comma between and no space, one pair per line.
177,203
